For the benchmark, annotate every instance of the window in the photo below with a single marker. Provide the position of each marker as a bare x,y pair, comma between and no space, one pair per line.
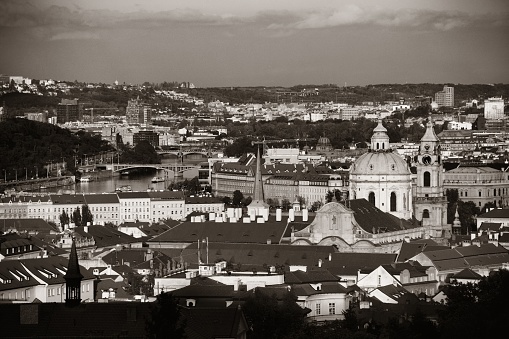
317,309
393,202
427,179
425,214
371,197
332,308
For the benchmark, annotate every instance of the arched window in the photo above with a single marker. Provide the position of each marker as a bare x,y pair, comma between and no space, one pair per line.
383,145
377,145
404,201
425,214
371,198
393,202
427,179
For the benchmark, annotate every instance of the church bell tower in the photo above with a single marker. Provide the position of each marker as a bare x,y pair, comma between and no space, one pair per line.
430,204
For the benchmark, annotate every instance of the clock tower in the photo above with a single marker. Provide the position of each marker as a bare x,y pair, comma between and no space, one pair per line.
430,204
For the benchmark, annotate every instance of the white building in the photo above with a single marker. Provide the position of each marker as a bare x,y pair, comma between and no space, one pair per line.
494,108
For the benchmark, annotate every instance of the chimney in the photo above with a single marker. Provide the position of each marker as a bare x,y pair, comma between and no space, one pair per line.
291,214
305,214
330,256
319,262
278,214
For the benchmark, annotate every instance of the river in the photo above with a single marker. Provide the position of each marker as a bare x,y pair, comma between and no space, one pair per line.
108,184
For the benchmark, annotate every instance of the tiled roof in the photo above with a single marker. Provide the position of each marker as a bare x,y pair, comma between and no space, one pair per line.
372,219
260,256
101,198
325,288
105,236
205,291
203,200
204,323
467,273
74,199
311,276
28,225
350,263
496,213
411,249
398,293
189,232
489,226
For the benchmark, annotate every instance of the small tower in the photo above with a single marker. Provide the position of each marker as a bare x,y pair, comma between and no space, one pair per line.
456,224
380,139
73,279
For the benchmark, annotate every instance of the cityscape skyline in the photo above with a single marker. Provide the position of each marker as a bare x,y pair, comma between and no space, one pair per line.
247,43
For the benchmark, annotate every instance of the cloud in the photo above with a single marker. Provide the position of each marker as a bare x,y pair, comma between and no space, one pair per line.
77,35
419,18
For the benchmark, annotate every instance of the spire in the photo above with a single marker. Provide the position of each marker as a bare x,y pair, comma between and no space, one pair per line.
258,183
73,278
456,224
430,135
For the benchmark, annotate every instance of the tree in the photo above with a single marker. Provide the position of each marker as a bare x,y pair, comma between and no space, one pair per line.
76,217
64,218
286,204
476,310
165,320
316,206
86,215
237,198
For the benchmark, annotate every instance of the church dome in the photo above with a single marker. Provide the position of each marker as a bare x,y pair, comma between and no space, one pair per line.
378,163
323,141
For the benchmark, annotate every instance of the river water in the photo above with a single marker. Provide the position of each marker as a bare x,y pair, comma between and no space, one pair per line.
108,184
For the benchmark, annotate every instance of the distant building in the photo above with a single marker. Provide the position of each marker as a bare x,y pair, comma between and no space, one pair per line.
138,112
150,136
445,98
494,108
69,110
40,117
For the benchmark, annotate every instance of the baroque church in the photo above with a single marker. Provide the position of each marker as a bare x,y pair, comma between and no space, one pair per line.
387,203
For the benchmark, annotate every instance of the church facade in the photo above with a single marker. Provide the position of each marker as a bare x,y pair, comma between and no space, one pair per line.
383,207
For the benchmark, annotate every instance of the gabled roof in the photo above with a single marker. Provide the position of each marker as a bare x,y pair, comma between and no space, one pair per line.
397,293
467,273
166,195
410,249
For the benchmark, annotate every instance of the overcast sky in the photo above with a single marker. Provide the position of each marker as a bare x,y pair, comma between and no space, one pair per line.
257,42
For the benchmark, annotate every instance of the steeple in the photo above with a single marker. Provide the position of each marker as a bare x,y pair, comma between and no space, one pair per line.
258,206
73,279
258,183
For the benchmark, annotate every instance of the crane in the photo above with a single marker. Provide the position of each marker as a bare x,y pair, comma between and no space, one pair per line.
91,109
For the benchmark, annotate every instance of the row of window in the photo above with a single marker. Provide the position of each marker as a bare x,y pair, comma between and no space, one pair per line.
332,309
8,296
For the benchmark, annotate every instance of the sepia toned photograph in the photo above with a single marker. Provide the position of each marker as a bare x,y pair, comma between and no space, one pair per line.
254,169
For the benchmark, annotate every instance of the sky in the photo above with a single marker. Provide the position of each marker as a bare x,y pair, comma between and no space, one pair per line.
214,43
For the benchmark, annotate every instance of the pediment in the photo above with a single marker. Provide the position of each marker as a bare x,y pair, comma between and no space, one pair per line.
333,208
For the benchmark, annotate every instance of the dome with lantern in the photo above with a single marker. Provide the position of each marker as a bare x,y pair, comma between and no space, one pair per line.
382,177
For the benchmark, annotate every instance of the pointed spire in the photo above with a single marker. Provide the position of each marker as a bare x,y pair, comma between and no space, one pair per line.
73,279
258,183
73,268
430,135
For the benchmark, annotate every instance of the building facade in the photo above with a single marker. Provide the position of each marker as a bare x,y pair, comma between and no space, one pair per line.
138,112
445,98
494,108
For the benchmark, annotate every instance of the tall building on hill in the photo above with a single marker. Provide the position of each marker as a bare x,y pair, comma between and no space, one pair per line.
494,108
445,98
69,110
138,112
